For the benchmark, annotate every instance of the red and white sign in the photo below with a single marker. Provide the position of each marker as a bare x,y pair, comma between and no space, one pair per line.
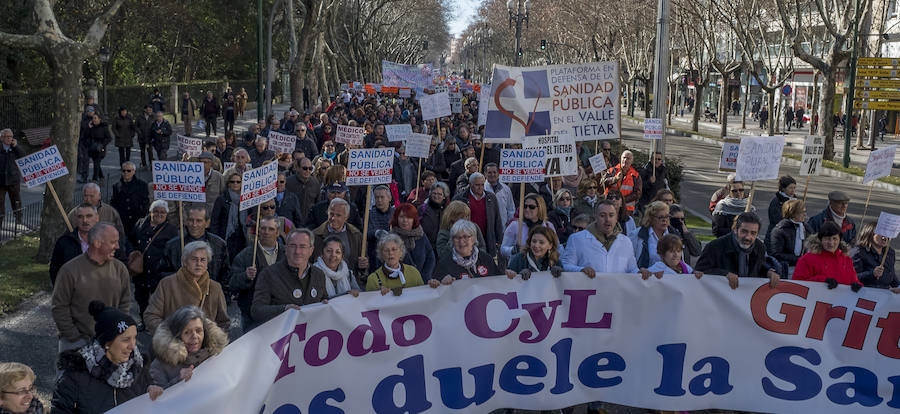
259,185
42,166
653,128
191,146
282,143
370,166
178,181
522,165
350,135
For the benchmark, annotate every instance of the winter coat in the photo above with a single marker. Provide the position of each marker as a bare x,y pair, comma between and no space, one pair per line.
239,283
775,214
519,262
421,257
307,191
96,138
866,260
494,227
218,224
67,247
351,253
289,207
218,264
444,246
124,129
562,223
278,286
257,159
143,126
581,206
781,241
155,252
319,214
172,354
430,220
818,264
160,140
484,266
307,145
81,392
649,189
9,172
720,257
209,108
131,200
848,232
180,290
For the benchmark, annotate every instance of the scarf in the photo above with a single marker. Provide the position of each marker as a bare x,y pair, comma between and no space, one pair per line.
799,236
545,262
571,181
731,206
743,258
467,263
435,206
605,240
409,236
567,211
233,213
395,273
591,200
337,282
330,156
117,375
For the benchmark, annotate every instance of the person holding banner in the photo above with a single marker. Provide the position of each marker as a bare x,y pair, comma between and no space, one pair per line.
541,254
670,252
602,248
654,226
196,224
875,266
787,242
826,261
738,253
185,340
393,274
419,253
836,212
340,280
534,214
465,259
10,177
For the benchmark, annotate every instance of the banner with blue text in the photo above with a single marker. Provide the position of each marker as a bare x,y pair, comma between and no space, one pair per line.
675,343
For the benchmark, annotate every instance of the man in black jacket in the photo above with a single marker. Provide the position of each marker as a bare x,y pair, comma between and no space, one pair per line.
160,132
131,198
75,242
319,213
196,222
738,254
652,182
9,174
286,203
144,125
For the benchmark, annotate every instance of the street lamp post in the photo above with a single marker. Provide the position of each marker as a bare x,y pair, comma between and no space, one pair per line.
518,13
104,58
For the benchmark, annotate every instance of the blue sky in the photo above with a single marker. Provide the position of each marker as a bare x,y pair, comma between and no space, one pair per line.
463,11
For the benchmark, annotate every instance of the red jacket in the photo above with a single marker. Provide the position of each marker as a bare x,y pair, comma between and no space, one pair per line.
817,267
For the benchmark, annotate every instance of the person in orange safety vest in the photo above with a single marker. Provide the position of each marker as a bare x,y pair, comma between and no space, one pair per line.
626,179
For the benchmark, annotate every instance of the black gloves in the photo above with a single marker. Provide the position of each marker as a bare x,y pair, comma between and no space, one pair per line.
855,286
832,283
525,273
556,271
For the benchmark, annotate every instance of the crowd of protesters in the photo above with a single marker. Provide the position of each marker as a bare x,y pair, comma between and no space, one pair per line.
451,220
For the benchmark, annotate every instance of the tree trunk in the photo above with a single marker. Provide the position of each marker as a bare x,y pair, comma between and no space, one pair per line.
772,112
65,66
826,120
698,93
814,110
723,104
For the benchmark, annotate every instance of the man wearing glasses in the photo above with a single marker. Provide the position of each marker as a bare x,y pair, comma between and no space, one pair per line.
291,282
306,187
131,198
195,225
305,143
734,203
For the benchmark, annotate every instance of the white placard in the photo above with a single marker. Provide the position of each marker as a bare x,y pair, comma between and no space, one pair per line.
350,135
418,145
888,225
522,166
370,166
41,166
191,146
435,106
259,185
282,143
441,88
483,97
561,160
759,158
653,128
880,163
728,159
813,152
455,102
178,181
399,132
598,163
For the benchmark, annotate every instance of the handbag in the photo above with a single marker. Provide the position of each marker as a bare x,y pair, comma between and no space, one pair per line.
136,259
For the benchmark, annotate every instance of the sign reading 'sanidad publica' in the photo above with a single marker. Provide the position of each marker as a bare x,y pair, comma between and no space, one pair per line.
42,166
580,100
759,158
522,165
178,181
547,343
259,185
370,166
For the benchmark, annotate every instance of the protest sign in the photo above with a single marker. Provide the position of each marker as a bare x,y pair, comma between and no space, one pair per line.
441,88
435,106
407,76
880,163
178,181
598,163
487,343
405,92
227,165
42,166
259,185
653,128
282,143
398,132
728,159
418,145
522,165
888,225
190,146
350,135
455,102
483,104
370,166
813,152
345,86
560,152
580,100
759,158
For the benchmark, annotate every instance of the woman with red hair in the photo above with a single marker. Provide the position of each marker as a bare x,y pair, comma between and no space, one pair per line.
419,253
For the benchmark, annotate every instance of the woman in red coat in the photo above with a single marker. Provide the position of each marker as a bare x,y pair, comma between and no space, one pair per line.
826,262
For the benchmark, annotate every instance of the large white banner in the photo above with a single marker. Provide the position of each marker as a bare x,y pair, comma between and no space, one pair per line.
408,76
581,100
546,343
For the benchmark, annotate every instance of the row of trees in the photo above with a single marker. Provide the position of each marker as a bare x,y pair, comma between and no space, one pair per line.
765,39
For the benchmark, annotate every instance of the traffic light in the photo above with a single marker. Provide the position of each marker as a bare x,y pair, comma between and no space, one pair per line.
543,44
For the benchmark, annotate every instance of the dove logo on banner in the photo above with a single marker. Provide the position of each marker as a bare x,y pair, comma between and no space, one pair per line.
580,100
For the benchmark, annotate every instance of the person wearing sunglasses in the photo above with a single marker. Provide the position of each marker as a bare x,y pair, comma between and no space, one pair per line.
561,215
586,198
728,208
303,184
131,198
534,214
17,389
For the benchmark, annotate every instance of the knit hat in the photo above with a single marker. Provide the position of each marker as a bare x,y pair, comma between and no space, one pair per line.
108,322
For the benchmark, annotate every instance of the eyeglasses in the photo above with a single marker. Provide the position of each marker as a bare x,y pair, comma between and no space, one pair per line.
565,199
127,170
579,228
737,190
234,182
268,207
462,237
306,168
21,392
531,206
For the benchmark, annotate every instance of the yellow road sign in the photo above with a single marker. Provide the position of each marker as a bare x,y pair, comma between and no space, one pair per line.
885,73
877,94
870,61
878,83
887,106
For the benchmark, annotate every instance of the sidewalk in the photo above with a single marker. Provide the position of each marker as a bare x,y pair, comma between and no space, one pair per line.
794,138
